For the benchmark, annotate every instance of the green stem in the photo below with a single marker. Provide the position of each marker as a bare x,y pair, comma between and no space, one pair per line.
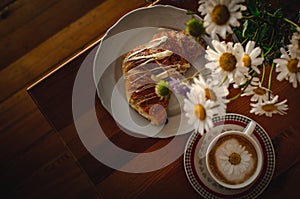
263,74
248,17
239,94
191,12
266,54
272,36
291,22
270,76
245,40
271,15
224,80
255,34
250,71
235,97
194,75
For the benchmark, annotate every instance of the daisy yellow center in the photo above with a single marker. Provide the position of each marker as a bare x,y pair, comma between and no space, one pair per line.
235,158
220,15
210,95
227,62
259,91
269,107
247,61
199,112
293,65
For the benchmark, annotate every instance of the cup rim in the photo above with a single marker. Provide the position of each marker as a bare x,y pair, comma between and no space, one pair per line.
259,162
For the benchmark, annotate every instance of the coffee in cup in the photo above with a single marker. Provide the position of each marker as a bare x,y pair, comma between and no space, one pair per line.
234,159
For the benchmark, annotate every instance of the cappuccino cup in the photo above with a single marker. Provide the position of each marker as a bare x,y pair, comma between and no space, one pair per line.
234,158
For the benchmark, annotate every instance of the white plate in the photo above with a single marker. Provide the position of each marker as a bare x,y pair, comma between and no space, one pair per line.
132,30
197,172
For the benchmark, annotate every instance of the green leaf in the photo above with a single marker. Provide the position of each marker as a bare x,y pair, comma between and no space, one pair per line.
278,13
252,7
263,35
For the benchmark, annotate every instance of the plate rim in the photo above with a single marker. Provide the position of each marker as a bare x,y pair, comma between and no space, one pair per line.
191,143
96,80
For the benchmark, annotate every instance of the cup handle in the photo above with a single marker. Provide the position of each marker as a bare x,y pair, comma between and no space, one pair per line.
250,128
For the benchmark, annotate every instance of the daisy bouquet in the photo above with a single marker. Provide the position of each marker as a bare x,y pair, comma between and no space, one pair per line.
247,37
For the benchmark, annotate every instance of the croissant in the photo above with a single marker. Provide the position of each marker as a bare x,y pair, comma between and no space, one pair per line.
167,55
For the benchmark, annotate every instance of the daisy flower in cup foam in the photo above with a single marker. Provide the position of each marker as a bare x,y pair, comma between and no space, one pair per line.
270,107
198,110
295,42
220,15
258,92
234,159
288,66
225,61
213,92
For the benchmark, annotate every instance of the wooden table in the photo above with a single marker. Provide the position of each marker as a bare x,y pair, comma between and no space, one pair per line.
53,95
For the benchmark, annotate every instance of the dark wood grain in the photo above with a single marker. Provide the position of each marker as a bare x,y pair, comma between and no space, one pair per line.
23,135
35,38
45,16
14,175
71,176
20,103
42,58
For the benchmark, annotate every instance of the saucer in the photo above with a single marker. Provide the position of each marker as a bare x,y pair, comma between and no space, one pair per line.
197,172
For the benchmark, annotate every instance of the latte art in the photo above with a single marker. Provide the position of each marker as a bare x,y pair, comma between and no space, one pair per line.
233,159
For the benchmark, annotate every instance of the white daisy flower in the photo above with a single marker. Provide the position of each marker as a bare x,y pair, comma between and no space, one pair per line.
234,159
258,92
198,110
220,15
212,91
225,62
270,107
288,66
294,47
250,57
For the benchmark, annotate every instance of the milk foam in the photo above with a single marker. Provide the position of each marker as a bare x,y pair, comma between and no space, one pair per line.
238,173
